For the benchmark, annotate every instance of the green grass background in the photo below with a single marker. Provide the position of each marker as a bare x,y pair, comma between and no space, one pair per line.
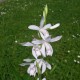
17,15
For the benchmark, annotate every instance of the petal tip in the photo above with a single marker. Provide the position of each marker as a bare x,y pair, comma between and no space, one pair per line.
55,26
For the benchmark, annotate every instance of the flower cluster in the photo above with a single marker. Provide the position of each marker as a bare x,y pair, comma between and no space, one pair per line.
40,47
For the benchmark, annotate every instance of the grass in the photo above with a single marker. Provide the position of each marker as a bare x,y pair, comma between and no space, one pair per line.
17,15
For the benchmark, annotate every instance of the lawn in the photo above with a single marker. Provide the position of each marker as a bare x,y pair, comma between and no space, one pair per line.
17,15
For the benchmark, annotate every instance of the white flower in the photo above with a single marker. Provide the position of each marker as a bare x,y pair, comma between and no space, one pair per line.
43,28
35,50
32,70
46,47
42,79
43,65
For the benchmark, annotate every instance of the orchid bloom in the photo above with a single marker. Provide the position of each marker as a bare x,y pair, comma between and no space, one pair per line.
42,65
40,47
35,50
46,47
32,70
43,28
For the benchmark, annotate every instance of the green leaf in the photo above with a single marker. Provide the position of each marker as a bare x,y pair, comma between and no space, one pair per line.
53,68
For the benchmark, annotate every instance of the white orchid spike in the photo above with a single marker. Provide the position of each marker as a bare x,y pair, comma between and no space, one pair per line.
35,50
46,47
40,47
42,65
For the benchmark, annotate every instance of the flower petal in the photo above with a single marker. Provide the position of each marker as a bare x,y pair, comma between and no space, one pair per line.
44,79
28,60
37,78
55,26
42,36
49,49
56,39
44,33
34,52
33,27
24,64
47,26
42,22
32,70
26,44
39,61
43,50
38,53
28,70
48,38
37,41
48,65
43,68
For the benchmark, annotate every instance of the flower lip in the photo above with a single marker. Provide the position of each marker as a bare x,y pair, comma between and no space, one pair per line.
32,70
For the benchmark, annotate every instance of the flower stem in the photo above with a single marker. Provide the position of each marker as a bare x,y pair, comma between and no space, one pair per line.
39,72
39,76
